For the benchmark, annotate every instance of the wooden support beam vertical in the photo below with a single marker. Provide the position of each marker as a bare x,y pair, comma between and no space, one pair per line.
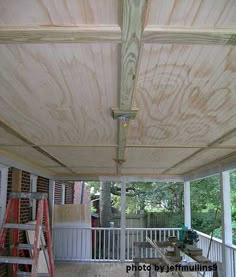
226,219
187,205
132,29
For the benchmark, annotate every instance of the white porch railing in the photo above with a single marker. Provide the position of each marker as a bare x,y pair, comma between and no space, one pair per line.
73,243
215,253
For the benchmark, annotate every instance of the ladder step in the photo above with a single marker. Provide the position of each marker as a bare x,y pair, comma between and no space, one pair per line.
15,260
24,274
28,195
24,246
21,226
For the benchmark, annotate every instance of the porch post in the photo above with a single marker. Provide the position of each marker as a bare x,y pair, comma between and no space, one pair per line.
226,221
51,202
33,188
187,205
3,190
122,221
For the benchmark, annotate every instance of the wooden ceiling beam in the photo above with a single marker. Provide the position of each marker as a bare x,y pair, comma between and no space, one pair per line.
70,34
216,142
226,163
112,33
132,29
189,35
15,133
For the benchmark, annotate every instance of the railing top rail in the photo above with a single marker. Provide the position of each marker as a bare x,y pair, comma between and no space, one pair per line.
208,237
158,229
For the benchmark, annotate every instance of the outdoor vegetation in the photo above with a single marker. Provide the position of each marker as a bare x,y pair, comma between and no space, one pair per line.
163,203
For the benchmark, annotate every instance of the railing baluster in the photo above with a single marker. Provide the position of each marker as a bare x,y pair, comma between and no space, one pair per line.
99,257
109,247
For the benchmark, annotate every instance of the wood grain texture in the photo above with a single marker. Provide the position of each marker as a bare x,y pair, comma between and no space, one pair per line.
60,94
189,35
185,95
203,158
9,139
78,34
198,13
30,154
59,12
81,157
133,20
160,159
132,28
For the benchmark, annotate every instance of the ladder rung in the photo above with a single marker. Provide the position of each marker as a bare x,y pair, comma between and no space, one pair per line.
15,260
28,195
21,226
24,274
24,246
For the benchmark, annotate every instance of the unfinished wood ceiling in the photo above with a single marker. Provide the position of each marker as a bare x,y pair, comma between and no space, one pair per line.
93,88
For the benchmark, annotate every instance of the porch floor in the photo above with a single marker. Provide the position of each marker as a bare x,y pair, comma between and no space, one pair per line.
75,269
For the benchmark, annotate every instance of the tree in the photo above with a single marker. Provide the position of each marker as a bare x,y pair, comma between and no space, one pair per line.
105,204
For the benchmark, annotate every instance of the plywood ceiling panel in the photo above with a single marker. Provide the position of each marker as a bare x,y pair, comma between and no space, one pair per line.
9,139
60,93
155,158
30,154
60,170
185,95
203,158
84,157
197,13
59,12
95,170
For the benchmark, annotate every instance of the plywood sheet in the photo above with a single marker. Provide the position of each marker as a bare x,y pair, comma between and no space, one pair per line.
155,158
59,12
197,13
185,95
60,93
60,170
43,256
84,157
96,170
207,156
9,139
72,213
28,153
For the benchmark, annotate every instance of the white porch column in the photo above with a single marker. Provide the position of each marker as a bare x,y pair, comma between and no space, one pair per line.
122,221
3,190
51,201
226,220
187,205
33,188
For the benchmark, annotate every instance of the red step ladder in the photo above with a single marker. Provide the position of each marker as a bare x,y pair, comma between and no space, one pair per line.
42,213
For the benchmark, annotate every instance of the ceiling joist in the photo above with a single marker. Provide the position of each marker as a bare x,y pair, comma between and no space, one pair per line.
132,29
112,33
12,131
216,142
